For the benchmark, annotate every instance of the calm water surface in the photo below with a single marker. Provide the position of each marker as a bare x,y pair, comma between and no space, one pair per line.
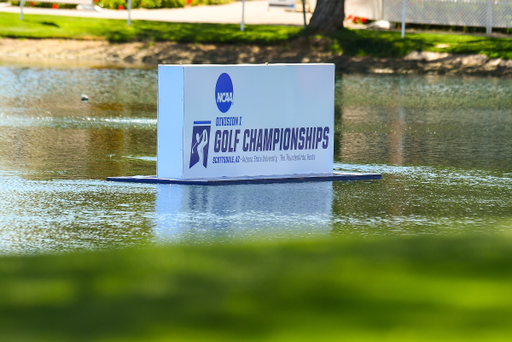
442,144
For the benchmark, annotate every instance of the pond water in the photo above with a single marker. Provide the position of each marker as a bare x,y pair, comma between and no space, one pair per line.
442,144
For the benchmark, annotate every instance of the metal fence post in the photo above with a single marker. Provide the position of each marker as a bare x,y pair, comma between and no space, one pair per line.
490,4
129,12
403,18
243,13
304,14
21,10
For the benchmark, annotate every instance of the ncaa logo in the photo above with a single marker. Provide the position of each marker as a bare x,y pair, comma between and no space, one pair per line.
200,143
224,92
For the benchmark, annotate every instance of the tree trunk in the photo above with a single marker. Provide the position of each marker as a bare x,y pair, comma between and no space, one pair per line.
328,16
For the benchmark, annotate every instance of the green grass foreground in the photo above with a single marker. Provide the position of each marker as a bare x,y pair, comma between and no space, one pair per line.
418,289
348,42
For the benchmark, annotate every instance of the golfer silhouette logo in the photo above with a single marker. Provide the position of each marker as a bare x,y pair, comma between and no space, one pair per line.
200,143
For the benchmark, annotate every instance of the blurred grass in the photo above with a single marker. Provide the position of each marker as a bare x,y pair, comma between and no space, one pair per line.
418,289
41,26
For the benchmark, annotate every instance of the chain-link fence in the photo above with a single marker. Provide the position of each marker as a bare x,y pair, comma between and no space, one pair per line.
484,13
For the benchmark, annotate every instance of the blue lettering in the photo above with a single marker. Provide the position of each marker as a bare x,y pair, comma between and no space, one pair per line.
225,134
286,139
276,138
309,136
318,136
302,130
230,149
267,139
245,144
293,141
260,140
281,140
216,145
252,144
227,121
236,140
325,144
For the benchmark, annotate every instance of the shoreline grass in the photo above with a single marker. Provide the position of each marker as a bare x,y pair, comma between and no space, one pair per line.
116,31
380,44
390,44
422,289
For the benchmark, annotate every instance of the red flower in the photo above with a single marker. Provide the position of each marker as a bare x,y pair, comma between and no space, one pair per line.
349,17
55,6
120,7
32,4
96,0
354,20
189,2
363,20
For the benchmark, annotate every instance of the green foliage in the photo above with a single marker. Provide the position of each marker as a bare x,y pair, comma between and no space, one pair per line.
172,3
211,2
112,4
417,289
348,42
150,4
37,26
390,44
42,4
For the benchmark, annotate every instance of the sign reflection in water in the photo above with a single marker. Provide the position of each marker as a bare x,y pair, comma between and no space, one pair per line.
202,213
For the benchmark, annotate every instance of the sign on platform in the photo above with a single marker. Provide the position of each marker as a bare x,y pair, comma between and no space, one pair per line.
218,121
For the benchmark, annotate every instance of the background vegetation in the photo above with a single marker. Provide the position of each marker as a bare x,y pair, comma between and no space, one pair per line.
123,4
345,41
390,44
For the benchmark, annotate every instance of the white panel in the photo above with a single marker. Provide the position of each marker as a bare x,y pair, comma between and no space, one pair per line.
283,98
170,122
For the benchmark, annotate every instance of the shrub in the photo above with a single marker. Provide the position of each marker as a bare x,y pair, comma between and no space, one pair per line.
173,3
42,4
149,4
113,4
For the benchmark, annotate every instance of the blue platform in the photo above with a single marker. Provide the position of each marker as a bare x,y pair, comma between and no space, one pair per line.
335,176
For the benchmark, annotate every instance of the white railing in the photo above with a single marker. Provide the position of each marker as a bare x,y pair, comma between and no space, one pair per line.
482,13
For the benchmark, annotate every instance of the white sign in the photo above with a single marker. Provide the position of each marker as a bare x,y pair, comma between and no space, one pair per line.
220,121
